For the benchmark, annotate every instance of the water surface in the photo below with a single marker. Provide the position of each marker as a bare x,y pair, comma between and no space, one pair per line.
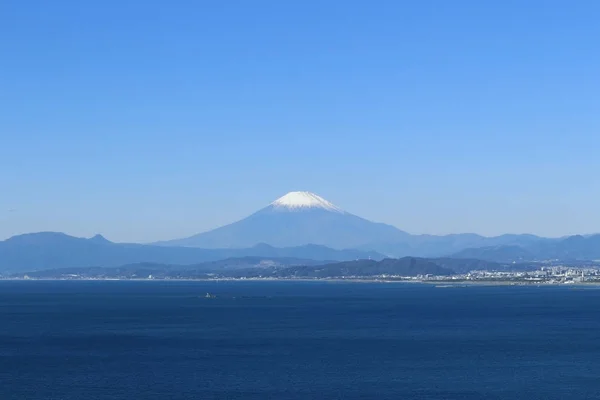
73,340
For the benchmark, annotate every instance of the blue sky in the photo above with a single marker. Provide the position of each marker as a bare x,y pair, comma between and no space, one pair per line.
148,120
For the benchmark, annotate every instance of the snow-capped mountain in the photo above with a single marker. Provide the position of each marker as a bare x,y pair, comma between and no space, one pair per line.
297,201
296,219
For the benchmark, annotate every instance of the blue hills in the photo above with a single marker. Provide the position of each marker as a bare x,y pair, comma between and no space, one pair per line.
299,225
298,218
46,250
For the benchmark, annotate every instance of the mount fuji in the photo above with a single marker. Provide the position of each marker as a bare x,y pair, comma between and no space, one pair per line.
297,219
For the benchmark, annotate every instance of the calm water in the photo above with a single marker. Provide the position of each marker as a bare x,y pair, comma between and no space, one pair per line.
267,340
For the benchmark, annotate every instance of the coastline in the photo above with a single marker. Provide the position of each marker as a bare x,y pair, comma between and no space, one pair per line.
439,284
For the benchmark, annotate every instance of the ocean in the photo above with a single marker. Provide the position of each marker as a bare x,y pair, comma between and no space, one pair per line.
86,340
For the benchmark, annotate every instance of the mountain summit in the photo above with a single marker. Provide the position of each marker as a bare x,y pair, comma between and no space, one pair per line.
296,219
294,201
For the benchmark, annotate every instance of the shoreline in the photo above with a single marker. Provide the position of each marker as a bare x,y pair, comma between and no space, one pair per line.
439,284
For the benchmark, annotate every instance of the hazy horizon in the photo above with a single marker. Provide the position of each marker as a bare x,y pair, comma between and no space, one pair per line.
144,122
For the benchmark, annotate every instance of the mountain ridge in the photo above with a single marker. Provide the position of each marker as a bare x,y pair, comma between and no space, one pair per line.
298,224
570,248
44,250
273,268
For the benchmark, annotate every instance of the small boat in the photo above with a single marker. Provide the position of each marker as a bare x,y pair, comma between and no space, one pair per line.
210,296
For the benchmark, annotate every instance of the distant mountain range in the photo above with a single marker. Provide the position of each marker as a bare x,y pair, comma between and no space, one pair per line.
159,270
302,217
298,225
255,267
48,250
571,248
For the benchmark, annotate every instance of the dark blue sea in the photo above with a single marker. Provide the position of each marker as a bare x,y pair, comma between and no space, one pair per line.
74,340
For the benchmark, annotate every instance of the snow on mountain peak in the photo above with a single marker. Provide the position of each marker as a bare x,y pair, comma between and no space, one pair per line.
301,200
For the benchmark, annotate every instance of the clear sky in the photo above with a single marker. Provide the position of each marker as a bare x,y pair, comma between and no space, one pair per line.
148,120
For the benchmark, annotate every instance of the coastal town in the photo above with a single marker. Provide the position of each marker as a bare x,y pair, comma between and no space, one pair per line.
553,275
